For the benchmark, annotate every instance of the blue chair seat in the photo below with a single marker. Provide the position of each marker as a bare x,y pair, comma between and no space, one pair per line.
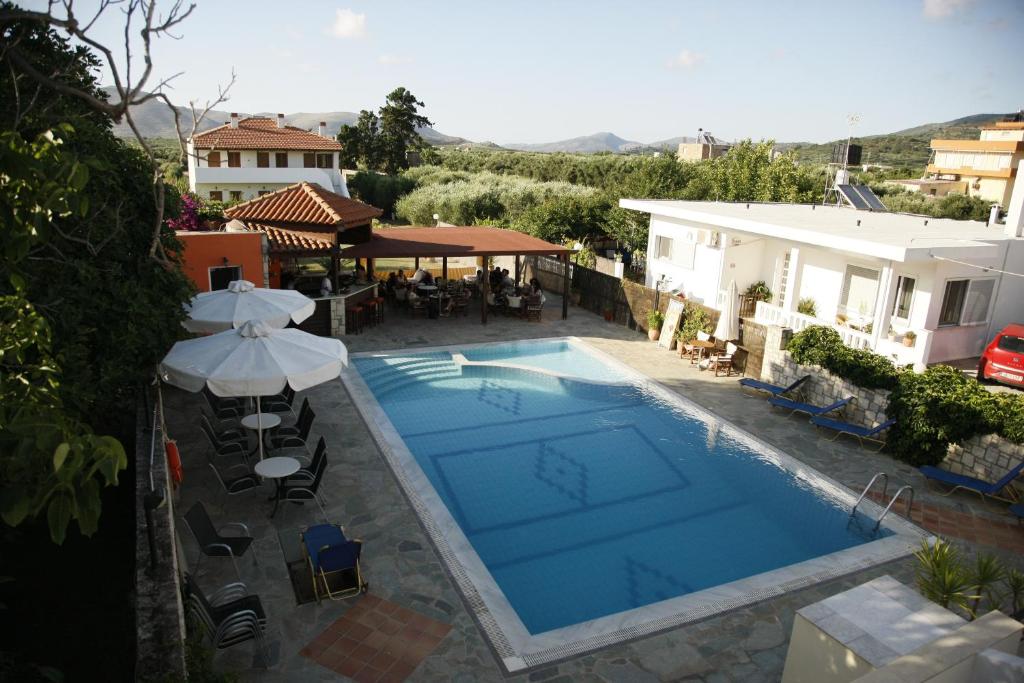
962,481
320,535
798,407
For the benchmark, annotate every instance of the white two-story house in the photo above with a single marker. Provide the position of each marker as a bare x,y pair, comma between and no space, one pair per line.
249,157
874,277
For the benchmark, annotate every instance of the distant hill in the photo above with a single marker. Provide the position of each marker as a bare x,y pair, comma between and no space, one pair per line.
910,147
587,144
155,120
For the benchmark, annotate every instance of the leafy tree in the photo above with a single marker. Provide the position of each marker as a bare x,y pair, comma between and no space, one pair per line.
399,121
565,217
87,312
382,143
655,178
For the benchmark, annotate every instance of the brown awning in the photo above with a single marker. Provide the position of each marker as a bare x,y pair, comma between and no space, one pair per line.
459,241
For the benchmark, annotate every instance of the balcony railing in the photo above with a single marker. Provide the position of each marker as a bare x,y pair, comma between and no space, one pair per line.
766,314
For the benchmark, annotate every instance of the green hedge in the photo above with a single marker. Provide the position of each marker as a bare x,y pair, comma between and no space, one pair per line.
932,409
820,345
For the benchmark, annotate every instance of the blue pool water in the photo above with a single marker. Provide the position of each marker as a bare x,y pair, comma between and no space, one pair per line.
583,499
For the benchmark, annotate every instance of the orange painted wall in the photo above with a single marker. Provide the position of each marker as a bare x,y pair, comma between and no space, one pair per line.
205,250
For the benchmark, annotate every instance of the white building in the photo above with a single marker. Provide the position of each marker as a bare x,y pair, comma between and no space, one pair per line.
864,271
250,157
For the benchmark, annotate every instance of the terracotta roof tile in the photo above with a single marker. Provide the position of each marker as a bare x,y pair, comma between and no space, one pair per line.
474,240
287,242
305,206
262,133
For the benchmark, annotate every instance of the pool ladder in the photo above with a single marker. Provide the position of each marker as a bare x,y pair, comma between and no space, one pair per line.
885,486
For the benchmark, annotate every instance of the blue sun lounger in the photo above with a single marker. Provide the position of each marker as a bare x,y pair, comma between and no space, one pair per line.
1018,510
773,389
798,407
862,433
982,488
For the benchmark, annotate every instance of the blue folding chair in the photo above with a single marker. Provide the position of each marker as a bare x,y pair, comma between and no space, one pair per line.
333,562
773,389
862,433
798,407
979,486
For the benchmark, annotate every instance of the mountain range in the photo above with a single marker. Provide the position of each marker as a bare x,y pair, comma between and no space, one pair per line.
155,120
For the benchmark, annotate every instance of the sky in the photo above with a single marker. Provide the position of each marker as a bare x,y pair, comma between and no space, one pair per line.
539,71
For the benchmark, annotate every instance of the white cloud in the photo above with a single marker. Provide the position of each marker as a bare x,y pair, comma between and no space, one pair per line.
687,59
393,60
348,24
940,9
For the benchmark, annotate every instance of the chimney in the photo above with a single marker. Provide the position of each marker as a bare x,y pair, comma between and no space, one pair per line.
234,119
280,120
322,130
1015,211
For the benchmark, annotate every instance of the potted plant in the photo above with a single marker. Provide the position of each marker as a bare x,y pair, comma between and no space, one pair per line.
891,335
655,319
807,306
909,338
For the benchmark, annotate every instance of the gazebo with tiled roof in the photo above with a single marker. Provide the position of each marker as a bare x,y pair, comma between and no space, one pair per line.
306,220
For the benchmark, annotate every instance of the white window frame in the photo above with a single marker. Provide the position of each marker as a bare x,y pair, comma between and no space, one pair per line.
970,285
843,308
896,297
658,254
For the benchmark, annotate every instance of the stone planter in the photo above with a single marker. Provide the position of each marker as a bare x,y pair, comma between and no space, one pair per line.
653,334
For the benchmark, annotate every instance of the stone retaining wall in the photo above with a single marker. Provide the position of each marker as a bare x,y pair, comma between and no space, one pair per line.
987,457
159,613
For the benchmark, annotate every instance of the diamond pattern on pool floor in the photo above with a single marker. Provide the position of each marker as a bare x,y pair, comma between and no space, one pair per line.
502,398
376,640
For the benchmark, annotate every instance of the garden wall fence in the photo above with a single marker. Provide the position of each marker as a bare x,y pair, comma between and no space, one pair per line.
987,457
159,612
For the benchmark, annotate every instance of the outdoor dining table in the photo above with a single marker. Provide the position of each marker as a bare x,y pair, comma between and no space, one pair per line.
434,304
277,468
260,422
701,347
515,304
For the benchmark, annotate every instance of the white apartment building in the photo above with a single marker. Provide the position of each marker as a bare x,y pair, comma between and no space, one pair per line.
249,157
872,276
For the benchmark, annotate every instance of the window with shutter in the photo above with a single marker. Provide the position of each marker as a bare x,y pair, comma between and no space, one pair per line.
262,159
281,159
323,160
953,302
234,159
213,159
309,160
216,195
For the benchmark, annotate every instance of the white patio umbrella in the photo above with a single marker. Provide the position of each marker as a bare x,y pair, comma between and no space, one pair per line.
243,301
254,360
728,327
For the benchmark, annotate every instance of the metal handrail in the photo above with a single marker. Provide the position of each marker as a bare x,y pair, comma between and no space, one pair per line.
910,505
885,487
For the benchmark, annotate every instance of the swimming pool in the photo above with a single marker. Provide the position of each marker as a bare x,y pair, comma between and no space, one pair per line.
576,502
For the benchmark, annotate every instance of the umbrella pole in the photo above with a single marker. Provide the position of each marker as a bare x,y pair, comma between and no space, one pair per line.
259,425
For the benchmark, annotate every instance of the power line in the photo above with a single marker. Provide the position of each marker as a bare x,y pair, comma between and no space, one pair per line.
975,265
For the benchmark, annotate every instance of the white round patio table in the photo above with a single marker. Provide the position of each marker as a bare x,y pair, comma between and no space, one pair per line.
253,422
277,468
267,420
427,288
514,301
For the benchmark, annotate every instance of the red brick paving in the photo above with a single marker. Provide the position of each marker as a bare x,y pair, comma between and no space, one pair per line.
946,521
376,640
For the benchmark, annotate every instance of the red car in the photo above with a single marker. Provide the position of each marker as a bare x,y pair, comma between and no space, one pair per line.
1003,359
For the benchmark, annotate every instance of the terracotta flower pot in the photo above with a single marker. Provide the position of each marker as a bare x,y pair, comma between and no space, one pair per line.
909,341
653,334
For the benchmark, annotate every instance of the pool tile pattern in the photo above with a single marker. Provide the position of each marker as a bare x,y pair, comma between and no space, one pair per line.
376,640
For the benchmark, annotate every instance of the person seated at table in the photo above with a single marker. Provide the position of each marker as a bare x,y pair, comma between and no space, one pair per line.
536,289
400,277
326,287
392,281
506,279
494,278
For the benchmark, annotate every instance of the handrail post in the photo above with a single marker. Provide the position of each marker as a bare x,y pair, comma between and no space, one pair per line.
885,488
910,505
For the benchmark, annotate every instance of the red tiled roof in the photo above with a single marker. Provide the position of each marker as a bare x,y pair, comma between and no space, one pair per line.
459,241
262,133
305,206
292,242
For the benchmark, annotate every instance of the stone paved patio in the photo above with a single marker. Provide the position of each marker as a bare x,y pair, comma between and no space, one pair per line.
747,644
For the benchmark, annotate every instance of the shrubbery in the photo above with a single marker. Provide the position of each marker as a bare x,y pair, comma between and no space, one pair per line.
820,345
377,189
933,409
486,198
